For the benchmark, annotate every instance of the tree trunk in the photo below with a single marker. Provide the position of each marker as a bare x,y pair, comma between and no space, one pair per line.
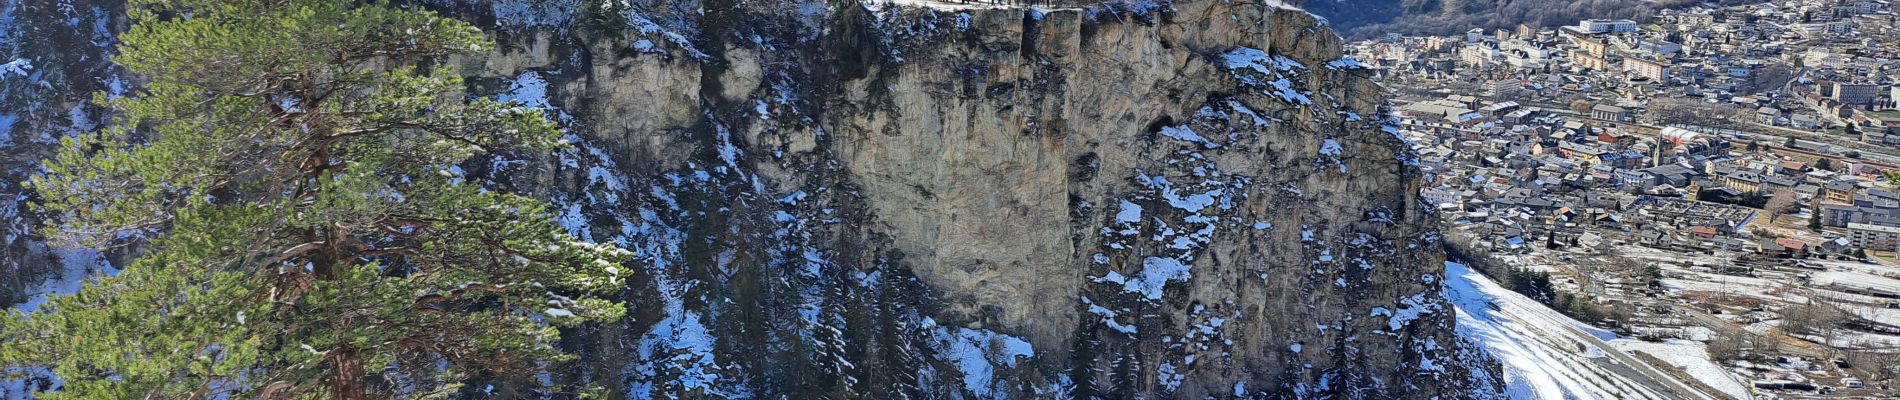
347,375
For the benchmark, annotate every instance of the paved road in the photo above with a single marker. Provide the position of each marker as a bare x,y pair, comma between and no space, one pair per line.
1656,380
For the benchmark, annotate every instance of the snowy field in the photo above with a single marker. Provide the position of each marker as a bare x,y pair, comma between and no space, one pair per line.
1549,356
1693,359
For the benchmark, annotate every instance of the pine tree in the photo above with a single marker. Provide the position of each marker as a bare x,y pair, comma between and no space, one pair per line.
291,165
1814,217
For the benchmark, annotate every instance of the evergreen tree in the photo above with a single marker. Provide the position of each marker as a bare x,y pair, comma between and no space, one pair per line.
1814,217
292,166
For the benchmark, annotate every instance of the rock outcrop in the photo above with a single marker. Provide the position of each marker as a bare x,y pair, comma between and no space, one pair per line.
849,199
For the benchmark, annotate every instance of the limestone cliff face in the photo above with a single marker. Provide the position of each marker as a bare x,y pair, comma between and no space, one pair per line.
848,200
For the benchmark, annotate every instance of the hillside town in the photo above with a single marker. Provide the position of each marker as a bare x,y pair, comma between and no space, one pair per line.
1718,178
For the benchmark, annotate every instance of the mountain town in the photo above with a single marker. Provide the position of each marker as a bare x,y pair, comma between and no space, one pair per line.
1718,178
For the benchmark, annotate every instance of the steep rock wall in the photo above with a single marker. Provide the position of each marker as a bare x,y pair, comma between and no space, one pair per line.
1183,199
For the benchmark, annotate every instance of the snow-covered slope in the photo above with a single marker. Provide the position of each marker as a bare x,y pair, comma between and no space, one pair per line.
1547,355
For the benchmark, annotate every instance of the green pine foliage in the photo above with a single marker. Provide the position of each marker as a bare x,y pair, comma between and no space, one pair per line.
290,164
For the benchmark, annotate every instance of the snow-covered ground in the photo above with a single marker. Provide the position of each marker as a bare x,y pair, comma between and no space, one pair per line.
1764,289
1546,355
1693,359
1856,276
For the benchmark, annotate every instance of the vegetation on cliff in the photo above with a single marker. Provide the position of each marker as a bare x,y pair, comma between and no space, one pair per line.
291,168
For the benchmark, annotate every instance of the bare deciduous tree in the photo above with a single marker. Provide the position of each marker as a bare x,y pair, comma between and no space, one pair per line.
1781,203
1818,316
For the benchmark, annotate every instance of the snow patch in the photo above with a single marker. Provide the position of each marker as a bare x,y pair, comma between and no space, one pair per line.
18,66
978,353
1182,133
1130,213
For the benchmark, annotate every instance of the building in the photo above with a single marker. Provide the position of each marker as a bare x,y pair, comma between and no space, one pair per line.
1703,232
1606,26
1840,192
1860,94
1609,113
1743,181
1675,215
1587,61
1592,46
1439,197
1873,237
1584,153
1785,247
1767,115
1651,69
1659,47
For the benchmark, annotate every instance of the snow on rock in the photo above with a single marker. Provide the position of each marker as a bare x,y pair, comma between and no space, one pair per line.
1258,60
978,354
528,90
647,26
1108,317
1330,152
6,127
533,13
1345,64
1269,72
76,265
1183,133
1190,201
1329,148
1156,272
1130,213
1412,308
18,66
680,344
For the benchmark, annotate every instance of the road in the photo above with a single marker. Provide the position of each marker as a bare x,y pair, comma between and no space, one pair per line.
1656,379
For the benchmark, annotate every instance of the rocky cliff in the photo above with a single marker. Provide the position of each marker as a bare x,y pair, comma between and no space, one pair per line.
845,199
